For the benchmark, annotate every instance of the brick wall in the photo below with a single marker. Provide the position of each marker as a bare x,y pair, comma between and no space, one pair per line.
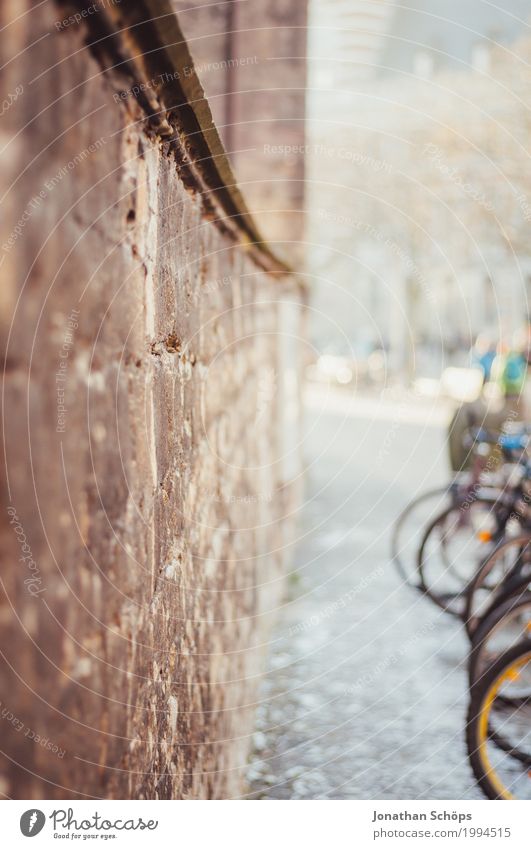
145,492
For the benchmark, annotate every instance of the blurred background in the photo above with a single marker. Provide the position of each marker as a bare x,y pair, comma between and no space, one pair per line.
418,181
418,256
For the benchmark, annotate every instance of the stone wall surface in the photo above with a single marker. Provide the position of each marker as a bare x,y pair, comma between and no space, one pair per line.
143,534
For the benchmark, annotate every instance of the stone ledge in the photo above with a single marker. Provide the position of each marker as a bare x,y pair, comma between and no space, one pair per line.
142,41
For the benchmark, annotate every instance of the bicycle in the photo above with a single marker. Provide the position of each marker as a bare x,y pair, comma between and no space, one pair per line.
500,704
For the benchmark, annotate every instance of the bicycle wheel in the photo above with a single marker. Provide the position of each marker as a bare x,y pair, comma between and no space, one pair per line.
503,572
500,703
497,632
453,546
408,529
511,594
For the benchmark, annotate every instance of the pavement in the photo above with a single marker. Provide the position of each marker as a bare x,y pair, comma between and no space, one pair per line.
365,693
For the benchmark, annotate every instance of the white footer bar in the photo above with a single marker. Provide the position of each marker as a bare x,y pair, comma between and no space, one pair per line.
266,824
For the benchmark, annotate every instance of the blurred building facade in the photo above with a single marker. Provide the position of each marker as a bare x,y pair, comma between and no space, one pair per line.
420,196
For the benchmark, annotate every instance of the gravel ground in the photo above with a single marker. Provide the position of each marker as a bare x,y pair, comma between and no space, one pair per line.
365,693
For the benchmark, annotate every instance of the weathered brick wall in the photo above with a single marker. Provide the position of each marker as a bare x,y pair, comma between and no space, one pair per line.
143,541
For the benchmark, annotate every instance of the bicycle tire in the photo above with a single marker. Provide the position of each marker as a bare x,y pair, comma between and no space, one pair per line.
396,549
491,622
478,723
477,582
452,602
